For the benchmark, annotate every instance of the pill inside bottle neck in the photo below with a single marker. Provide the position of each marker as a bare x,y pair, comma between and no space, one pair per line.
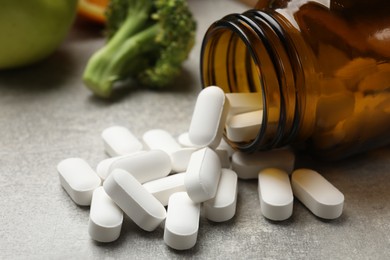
251,53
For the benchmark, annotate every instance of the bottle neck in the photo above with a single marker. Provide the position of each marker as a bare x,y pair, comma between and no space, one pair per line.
258,52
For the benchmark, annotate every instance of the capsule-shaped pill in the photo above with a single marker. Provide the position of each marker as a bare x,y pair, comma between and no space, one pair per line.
181,158
182,222
223,206
162,140
163,188
317,194
275,194
105,217
202,175
129,194
244,127
244,102
78,179
209,117
118,140
184,140
144,166
248,166
103,167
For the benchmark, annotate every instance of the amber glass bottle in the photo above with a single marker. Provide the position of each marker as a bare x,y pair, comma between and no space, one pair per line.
322,67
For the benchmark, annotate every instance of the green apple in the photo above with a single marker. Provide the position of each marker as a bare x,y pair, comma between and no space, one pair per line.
30,30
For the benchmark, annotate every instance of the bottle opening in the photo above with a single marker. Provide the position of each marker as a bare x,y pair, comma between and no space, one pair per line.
244,54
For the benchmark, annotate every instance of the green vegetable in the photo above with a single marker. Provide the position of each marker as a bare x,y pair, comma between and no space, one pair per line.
32,29
148,40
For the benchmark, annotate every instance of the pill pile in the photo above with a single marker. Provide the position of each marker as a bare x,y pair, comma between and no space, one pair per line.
163,178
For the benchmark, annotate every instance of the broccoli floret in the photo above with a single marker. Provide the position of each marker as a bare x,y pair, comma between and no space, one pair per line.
148,40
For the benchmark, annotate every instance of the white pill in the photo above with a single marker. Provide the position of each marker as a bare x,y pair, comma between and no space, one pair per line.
182,223
181,158
223,206
244,102
202,175
118,140
317,194
162,140
244,127
184,140
248,166
105,217
275,194
221,149
144,166
78,179
163,188
209,116
103,167
129,194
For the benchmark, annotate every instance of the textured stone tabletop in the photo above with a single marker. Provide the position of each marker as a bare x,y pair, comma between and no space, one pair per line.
46,115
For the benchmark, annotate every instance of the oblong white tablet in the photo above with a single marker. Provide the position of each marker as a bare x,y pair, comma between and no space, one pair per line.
118,140
105,217
163,188
202,175
244,127
103,167
144,166
160,139
129,194
275,194
182,222
184,140
248,166
78,179
163,140
317,194
244,102
181,158
223,206
208,118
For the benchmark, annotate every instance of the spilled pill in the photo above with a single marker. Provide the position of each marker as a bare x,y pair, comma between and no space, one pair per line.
78,179
163,188
162,140
223,206
184,140
182,222
244,127
317,194
202,175
244,102
118,140
181,158
209,116
275,194
103,167
247,166
144,166
129,194
105,217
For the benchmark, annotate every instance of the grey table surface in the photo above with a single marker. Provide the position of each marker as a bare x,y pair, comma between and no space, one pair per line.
46,115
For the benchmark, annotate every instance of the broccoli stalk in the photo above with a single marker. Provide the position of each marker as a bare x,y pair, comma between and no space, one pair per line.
148,40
